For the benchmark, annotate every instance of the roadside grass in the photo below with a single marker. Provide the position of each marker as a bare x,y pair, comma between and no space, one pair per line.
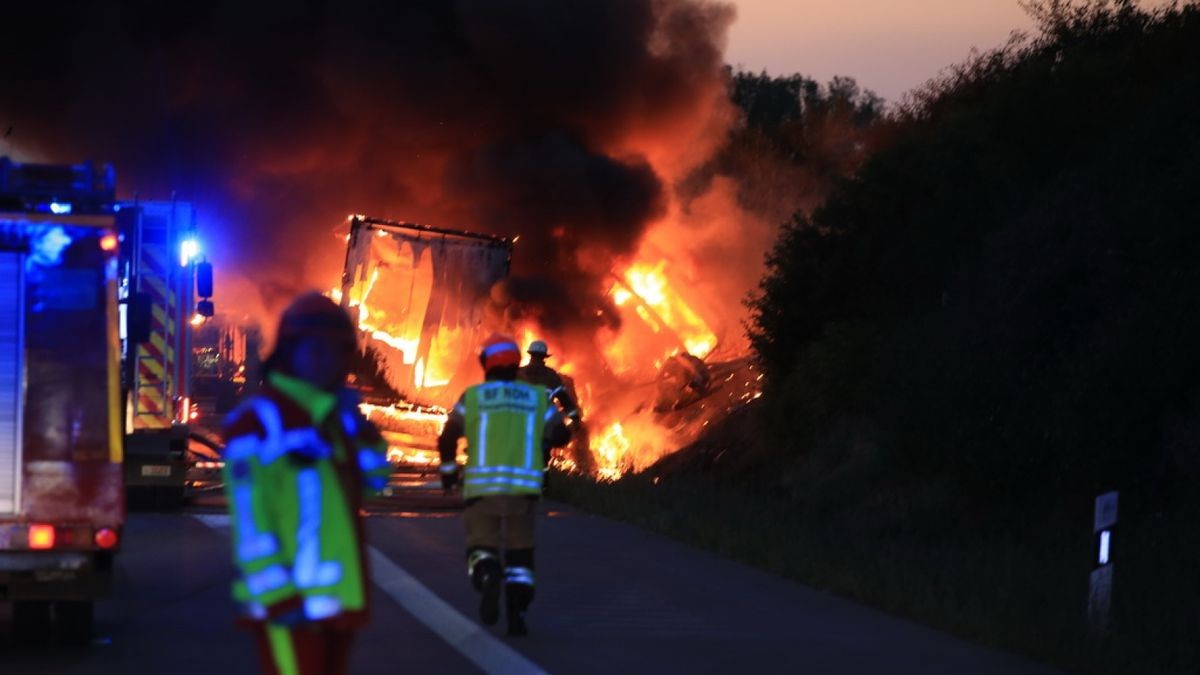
1020,587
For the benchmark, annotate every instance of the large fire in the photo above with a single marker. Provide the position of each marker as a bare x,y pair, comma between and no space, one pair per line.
646,388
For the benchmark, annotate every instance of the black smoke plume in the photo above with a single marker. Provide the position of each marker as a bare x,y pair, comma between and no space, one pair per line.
535,118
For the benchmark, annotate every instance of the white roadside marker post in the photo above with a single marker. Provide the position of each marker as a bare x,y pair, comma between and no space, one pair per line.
1100,586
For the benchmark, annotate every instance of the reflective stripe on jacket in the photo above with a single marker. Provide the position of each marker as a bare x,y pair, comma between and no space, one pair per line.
296,462
504,423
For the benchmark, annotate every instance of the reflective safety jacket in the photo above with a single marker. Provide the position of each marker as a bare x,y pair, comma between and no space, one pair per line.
509,426
298,461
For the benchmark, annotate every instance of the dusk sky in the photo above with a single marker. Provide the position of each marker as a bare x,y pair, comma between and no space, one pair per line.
889,46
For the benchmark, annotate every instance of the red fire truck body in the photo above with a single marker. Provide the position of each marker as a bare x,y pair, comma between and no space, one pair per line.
61,428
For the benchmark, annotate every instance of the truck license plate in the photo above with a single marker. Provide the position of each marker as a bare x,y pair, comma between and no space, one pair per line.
156,471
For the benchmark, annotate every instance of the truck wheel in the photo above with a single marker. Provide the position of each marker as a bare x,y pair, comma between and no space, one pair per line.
31,622
74,622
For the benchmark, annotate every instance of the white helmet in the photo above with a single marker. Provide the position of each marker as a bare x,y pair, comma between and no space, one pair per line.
538,348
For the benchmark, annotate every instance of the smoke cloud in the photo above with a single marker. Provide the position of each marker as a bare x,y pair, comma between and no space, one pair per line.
562,121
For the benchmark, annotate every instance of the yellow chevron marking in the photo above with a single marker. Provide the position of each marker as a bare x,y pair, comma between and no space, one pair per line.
158,286
167,351
157,256
154,367
149,421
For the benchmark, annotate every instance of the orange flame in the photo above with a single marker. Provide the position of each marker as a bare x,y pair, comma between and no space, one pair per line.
431,372
650,284
630,427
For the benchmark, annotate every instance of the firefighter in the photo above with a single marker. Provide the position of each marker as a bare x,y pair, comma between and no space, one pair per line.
537,372
299,459
510,427
562,392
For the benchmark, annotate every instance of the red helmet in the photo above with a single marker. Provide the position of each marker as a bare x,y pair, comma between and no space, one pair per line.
499,351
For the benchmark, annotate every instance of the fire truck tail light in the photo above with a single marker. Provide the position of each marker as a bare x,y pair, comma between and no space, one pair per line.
106,538
41,537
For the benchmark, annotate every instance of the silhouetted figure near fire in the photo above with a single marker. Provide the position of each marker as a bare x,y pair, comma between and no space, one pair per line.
562,393
537,372
510,427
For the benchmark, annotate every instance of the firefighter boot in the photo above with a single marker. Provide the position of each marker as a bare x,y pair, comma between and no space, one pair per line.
516,602
518,588
486,577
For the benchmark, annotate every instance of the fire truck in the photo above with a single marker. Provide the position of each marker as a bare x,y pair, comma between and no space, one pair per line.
61,432
161,269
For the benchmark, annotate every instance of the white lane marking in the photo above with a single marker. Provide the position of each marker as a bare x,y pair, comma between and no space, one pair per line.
472,641
464,635
217,521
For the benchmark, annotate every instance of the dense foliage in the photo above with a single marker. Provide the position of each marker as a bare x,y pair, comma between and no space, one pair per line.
1007,292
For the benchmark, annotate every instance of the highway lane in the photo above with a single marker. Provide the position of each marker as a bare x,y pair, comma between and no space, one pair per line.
611,598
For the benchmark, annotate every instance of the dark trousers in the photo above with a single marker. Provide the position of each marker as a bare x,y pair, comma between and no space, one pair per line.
502,521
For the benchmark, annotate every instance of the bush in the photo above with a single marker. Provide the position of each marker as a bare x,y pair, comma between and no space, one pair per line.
1019,262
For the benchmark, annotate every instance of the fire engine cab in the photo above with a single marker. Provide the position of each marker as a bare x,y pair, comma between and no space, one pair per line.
61,427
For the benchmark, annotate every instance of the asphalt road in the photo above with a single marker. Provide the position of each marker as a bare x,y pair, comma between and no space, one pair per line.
611,599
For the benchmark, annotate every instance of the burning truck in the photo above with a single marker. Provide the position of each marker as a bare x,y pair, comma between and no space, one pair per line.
425,297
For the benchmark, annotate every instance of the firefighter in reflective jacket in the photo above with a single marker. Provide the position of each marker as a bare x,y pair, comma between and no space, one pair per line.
510,427
299,458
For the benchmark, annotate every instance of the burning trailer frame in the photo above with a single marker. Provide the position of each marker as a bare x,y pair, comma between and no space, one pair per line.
428,330
424,323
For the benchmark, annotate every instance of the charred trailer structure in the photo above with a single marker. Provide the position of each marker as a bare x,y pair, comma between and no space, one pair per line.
61,433
422,297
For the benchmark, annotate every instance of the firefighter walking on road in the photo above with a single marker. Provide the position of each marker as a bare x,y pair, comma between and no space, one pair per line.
510,427
299,459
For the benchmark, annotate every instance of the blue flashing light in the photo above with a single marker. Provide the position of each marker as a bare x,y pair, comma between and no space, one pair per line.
60,208
188,251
